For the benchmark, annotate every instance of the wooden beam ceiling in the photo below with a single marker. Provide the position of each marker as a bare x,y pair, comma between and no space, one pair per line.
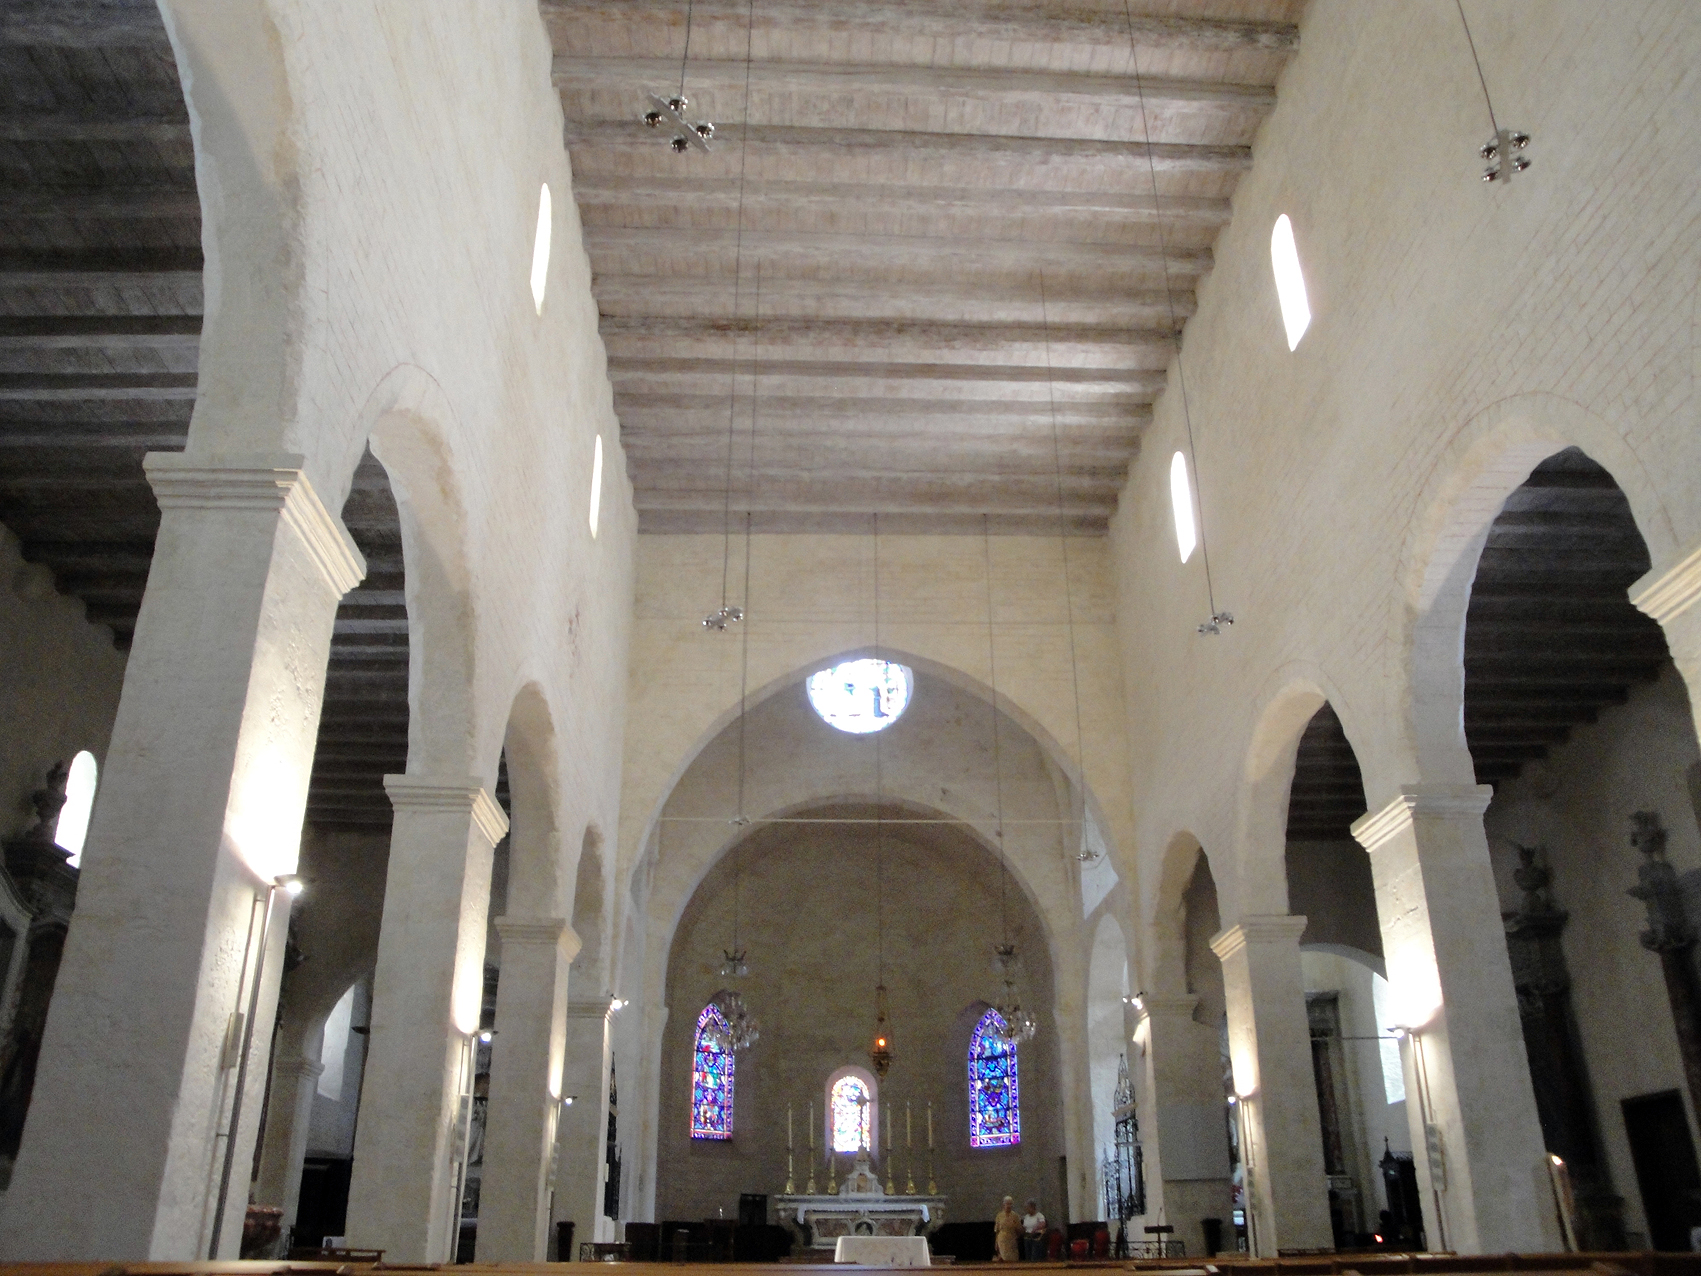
930,268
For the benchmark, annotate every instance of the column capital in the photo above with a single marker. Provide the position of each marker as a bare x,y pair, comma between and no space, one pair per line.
184,481
1258,928
422,793
1664,596
1169,1006
590,1007
545,932
1449,801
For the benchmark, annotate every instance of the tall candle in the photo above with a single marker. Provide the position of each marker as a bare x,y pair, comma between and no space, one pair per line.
812,1125
888,1128
930,1125
909,1132
788,1127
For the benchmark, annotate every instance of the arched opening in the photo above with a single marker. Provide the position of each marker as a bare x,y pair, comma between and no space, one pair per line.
1329,884
1574,712
813,966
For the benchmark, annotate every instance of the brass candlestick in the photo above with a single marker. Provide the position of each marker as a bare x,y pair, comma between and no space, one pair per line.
932,1187
810,1190
791,1188
832,1171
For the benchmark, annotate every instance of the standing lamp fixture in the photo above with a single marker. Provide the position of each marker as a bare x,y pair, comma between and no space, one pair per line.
671,110
1219,619
880,1055
240,1028
1505,147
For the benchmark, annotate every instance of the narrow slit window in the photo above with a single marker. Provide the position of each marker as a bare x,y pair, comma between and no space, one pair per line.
540,249
1290,281
1181,504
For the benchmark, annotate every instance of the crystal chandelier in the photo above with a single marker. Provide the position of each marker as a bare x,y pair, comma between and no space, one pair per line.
742,1030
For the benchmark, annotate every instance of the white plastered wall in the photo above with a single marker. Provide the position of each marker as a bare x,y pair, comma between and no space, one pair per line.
1461,332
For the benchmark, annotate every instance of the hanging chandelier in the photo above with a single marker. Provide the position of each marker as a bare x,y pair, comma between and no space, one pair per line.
1505,147
687,133
742,1030
1019,1022
880,1057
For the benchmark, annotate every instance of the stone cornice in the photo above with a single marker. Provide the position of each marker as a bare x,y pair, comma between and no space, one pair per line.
593,1008
298,1068
1671,593
421,794
181,481
1450,801
1258,928
553,932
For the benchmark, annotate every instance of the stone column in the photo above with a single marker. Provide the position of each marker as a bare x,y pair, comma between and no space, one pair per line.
295,1080
426,996
1270,1049
582,1142
200,807
1186,1129
1672,938
525,1088
1484,1179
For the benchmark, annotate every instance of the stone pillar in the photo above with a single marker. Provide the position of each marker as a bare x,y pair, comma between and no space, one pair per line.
426,997
583,1137
1483,1180
200,807
1186,1129
1270,1049
525,1089
295,1080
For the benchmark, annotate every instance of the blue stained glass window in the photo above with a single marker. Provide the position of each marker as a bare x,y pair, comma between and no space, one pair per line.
995,1102
711,1077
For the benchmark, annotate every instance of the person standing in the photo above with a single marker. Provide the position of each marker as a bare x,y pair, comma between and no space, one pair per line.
1033,1233
1005,1229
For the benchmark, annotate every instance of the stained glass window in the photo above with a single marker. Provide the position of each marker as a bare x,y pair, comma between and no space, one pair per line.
860,696
853,1122
711,1077
995,1102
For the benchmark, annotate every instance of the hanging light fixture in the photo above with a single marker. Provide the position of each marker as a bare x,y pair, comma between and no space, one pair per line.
671,110
880,1054
1019,1022
1505,147
1219,620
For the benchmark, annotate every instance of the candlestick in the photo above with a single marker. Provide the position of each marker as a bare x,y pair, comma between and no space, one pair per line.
932,1187
791,1187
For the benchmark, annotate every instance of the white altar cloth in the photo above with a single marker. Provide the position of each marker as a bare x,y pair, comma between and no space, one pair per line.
883,1251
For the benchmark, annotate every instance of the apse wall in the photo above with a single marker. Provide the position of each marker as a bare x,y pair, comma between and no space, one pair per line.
808,922
1577,804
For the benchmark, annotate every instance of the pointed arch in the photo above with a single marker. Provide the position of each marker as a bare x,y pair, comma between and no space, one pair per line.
995,1097
713,1069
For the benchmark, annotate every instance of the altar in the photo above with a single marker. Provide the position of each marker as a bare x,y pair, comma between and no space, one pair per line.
859,1207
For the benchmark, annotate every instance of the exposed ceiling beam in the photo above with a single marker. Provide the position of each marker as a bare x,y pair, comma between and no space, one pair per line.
70,332
890,251
964,381
953,20
102,269
600,191
96,24
1031,90
1073,299
135,204
919,342
82,127
985,149
49,387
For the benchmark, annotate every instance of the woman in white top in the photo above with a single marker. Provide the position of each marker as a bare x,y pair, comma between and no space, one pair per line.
1033,1233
